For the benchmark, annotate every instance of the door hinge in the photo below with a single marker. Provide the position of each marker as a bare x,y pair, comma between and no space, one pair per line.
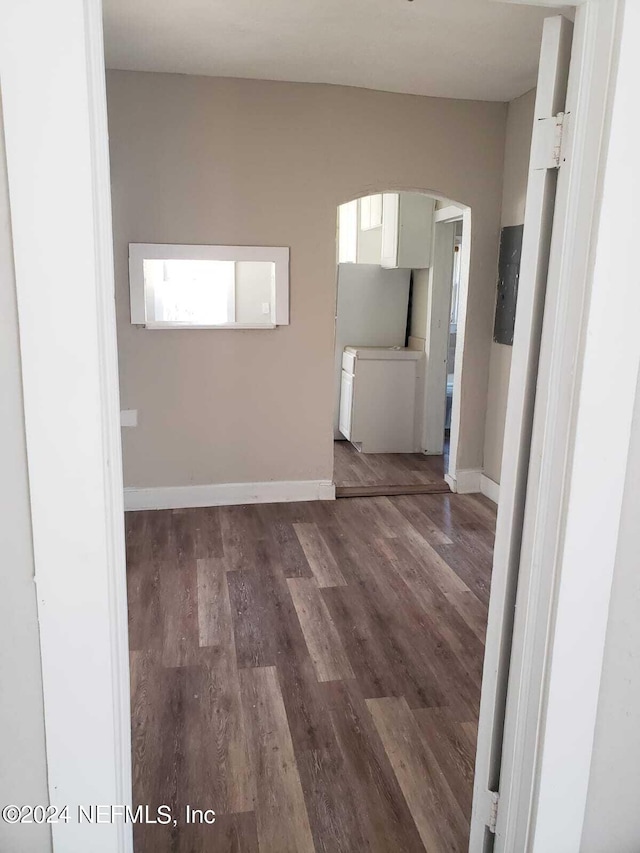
494,799
549,141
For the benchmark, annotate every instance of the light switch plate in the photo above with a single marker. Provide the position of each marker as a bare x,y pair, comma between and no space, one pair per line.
129,418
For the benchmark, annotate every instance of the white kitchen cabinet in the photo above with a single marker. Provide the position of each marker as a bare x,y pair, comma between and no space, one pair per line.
378,397
407,230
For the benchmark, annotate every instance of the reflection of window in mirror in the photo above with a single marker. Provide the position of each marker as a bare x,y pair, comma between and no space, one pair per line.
208,286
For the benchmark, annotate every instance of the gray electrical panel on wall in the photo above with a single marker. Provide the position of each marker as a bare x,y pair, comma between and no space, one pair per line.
508,277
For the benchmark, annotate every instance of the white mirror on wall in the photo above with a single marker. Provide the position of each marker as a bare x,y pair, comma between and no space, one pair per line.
208,287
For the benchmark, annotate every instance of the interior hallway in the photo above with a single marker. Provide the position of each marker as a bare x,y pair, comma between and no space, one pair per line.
309,671
360,474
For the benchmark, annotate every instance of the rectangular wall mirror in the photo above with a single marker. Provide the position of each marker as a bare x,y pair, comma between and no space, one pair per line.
208,287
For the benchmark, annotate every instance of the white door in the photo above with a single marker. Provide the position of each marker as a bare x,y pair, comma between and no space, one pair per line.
346,403
494,764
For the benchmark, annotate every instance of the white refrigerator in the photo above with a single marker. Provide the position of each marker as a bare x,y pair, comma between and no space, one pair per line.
371,311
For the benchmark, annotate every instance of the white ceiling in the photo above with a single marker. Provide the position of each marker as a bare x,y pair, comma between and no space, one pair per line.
478,49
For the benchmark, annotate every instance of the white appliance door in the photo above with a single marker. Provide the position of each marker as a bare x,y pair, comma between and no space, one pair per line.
371,310
346,403
493,766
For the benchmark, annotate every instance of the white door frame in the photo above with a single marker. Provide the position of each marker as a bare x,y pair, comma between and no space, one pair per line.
510,566
607,346
449,214
59,190
588,369
436,334
54,105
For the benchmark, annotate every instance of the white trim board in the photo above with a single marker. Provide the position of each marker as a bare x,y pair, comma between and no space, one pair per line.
228,494
489,488
451,213
472,481
59,183
466,481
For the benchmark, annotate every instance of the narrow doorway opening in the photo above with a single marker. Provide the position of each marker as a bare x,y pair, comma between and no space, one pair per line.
401,296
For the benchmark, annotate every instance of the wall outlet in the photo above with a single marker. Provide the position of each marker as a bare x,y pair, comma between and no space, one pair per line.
129,418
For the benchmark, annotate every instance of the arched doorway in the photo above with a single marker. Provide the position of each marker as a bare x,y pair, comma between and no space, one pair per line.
401,299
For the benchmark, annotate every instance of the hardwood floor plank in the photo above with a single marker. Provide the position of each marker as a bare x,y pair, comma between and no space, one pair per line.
481,509
186,750
281,814
157,747
447,579
183,535
437,815
383,490
323,641
146,625
324,567
366,518
330,800
449,743
411,511
215,735
450,624
473,611
243,534
238,615
430,669
215,625
207,532
381,810
267,632
136,529
286,550
252,613
159,541
465,567
389,639
219,723
236,833
353,469
308,722
179,603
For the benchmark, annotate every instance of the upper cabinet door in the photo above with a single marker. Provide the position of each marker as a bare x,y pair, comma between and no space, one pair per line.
407,230
390,209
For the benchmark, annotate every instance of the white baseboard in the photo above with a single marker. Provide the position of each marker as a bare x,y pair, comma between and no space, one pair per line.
228,494
451,482
467,481
490,488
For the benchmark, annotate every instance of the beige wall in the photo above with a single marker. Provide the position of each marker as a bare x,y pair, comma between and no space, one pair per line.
207,160
514,191
23,772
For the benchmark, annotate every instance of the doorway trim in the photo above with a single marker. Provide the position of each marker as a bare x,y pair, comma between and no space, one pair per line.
462,481
570,527
455,211
54,104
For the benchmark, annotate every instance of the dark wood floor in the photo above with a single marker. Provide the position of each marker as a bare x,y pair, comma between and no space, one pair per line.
309,671
388,473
